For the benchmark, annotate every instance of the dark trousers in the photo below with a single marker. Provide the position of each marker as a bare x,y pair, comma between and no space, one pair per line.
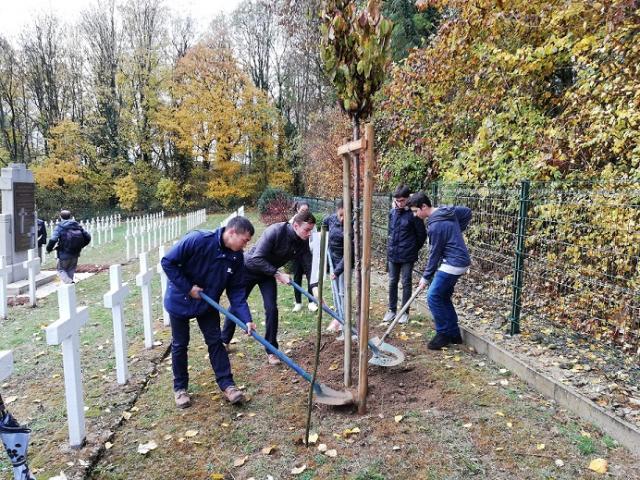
396,271
298,273
209,323
269,291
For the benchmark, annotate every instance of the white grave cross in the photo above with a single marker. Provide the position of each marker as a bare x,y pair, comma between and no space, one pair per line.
114,299
143,280
65,331
6,364
33,266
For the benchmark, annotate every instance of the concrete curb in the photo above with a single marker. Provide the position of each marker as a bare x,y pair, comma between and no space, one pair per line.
624,432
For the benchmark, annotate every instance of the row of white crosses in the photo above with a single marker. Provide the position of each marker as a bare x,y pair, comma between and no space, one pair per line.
145,233
33,268
66,329
196,218
101,230
238,213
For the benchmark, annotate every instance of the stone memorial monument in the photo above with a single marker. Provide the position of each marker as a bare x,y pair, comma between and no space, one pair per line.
17,221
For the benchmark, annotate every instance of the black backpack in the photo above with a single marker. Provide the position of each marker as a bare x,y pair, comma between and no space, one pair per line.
72,240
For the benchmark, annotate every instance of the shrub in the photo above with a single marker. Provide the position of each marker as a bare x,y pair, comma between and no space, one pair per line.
274,205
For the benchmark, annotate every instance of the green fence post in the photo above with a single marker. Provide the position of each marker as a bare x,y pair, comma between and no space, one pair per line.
518,273
434,193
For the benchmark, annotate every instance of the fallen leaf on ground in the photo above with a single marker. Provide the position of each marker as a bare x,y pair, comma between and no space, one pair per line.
499,413
298,470
313,437
9,400
333,366
322,447
238,462
108,445
398,418
540,446
559,463
599,465
62,476
145,448
268,450
331,453
190,433
126,415
467,425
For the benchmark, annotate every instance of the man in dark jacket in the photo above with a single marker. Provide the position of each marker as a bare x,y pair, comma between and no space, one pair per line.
448,260
68,238
209,262
279,244
406,236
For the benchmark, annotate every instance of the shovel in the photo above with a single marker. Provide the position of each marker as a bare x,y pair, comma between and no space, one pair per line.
379,341
384,355
324,394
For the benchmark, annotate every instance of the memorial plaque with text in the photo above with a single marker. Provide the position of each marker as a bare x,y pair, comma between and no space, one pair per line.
23,215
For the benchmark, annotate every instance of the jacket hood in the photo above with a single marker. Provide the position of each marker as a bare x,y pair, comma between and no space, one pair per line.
68,223
443,214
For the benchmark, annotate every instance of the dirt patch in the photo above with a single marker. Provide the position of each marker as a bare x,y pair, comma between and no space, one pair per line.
91,268
14,301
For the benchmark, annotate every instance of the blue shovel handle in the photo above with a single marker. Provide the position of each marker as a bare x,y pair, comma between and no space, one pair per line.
372,346
261,339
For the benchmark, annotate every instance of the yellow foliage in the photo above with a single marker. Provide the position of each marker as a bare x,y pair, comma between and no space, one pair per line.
126,189
55,174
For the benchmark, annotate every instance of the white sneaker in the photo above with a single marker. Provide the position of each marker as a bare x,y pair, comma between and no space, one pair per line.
297,307
404,318
313,307
389,316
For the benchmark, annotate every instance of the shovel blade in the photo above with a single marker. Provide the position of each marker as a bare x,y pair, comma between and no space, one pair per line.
387,355
329,396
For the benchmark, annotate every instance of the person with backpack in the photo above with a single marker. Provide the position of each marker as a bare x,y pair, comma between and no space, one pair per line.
68,238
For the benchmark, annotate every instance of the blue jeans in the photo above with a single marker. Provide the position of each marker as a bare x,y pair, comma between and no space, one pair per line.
298,273
209,324
440,304
397,270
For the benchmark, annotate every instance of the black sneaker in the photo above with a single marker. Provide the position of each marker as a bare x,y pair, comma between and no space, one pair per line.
456,339
440,340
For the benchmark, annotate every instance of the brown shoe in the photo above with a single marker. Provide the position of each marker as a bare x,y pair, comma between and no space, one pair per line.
273,359
183,400
233,394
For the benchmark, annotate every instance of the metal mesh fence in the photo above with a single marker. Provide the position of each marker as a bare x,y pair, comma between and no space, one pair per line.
575,266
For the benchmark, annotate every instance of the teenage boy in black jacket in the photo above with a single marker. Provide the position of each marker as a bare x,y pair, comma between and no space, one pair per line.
406,236
279,244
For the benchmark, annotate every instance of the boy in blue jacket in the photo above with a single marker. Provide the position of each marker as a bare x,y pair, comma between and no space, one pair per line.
209,262
448,260
406,236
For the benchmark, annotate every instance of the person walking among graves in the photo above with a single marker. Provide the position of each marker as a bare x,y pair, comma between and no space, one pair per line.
406,236
279,244
15,439
448,260
68,238
42,235
211,262
298,269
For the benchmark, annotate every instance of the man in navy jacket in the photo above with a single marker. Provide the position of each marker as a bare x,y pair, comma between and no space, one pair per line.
448,260
406,236
279,244
209,262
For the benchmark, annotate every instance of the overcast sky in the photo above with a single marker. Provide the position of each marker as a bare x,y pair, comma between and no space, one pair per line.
15,14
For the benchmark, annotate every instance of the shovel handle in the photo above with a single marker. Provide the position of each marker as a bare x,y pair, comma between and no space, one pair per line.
404,308
372,346
260,339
